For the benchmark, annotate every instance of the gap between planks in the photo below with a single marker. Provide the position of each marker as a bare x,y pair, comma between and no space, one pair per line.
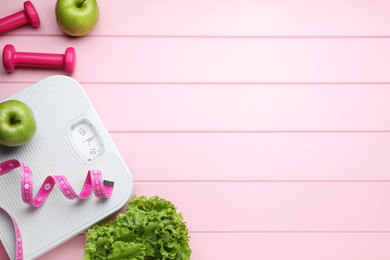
172,36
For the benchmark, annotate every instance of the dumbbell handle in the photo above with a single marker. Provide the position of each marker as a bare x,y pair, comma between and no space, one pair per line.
28,15
39,59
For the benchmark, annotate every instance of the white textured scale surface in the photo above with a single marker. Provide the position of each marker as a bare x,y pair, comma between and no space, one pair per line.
59,103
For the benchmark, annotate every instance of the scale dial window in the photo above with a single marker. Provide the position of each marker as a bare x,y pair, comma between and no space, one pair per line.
86,140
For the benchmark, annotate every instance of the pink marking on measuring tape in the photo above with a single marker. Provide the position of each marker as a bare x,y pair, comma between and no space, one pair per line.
93,183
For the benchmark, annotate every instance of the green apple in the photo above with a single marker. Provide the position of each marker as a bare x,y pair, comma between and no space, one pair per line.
77,17
17,123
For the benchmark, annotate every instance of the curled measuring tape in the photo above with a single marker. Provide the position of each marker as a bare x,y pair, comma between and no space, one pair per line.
93,183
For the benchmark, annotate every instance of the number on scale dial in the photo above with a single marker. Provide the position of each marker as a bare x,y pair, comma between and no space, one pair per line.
86,140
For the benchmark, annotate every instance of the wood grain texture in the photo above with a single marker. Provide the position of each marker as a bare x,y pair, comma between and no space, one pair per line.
258,157
213,60
242,107
237,107
292,246
265,122
227,17
251,206
261,245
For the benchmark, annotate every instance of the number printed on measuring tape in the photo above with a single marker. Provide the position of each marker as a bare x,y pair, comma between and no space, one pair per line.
93,183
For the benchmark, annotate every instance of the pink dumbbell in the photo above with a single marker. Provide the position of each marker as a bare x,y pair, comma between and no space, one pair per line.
28,15
12,59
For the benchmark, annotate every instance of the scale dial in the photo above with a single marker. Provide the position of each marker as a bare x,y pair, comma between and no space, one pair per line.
86,140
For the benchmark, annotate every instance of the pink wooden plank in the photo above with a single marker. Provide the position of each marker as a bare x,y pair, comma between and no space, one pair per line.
72,249
277,207
237,107
242,107
227,107
256,156
227,17
3,254
8,89
302,246
302,107
213,60
271,246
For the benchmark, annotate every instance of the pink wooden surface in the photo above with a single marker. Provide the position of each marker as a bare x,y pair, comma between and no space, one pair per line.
215,60
265,122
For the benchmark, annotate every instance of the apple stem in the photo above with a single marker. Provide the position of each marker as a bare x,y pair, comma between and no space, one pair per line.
13,121
81,3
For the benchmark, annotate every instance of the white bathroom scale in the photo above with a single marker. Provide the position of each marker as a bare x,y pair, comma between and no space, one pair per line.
70,140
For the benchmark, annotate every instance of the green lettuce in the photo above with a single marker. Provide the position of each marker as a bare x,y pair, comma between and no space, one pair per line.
150,229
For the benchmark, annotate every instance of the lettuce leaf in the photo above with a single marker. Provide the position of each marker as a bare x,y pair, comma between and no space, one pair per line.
150,229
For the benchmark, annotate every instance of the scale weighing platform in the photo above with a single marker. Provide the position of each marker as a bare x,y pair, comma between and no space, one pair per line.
70,140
